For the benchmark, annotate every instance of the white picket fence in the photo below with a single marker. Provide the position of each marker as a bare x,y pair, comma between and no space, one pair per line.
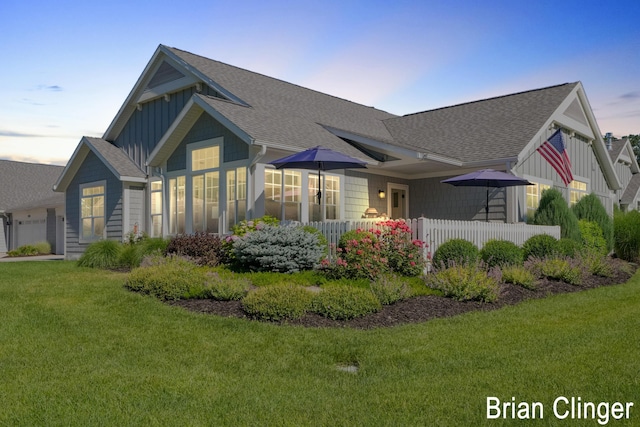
437,231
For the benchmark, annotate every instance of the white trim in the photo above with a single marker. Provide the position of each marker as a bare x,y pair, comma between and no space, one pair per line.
81,238
390,187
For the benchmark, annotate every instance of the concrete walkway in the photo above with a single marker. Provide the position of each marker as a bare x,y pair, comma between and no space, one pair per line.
32,258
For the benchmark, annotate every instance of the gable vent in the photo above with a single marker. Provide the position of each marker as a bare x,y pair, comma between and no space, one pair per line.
575,112
165,74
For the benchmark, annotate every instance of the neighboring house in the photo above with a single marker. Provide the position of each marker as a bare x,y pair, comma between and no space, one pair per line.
30,211
626,166
190,148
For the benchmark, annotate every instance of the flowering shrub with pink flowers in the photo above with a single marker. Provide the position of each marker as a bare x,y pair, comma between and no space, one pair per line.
370,253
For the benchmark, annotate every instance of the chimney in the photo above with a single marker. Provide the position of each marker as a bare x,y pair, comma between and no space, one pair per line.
608,136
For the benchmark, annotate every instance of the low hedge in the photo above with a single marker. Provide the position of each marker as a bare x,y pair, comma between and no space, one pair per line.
345,302
278,302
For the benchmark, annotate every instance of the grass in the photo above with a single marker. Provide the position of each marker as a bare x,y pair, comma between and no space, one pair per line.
79,349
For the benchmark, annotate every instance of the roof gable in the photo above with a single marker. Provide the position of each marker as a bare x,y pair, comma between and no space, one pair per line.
114,158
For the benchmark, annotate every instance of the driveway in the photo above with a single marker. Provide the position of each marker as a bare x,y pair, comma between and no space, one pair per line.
33,258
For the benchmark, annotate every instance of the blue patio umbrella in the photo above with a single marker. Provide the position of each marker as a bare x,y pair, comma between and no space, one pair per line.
486,178
320,158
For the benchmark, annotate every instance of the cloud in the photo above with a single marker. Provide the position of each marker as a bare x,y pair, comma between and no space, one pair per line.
32,102
630,96
50,88
13,134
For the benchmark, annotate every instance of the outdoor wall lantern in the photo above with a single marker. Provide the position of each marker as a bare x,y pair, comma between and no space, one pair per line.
381,194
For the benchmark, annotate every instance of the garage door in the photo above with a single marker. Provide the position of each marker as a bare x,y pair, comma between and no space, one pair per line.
31,231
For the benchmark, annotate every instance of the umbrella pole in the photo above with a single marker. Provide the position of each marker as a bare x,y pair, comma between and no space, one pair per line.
319,194
487,208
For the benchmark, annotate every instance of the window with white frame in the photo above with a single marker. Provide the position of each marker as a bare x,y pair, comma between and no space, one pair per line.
292,195
92,211
534,193
205,188
273,193
236,196
177,204
283,192
156,208
330,192
577,190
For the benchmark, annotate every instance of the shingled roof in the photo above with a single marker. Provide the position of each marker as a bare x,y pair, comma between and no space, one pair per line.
482,130
27,183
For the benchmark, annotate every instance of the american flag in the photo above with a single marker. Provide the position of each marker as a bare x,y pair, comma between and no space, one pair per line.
555,152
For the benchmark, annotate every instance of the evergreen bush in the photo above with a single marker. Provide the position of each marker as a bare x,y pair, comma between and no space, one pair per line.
592,238
24,250
458,251
170,279
590,208
390,288
540,246
501,253
626,226
279,302
345,302
568,247
280,249
467,281
43,247
553,210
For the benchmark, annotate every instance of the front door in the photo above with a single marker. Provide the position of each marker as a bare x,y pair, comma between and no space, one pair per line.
398,202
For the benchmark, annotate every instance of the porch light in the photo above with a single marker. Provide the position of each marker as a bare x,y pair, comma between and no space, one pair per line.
381,194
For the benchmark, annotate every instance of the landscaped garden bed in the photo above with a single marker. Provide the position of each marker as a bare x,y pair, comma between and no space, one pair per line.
425,307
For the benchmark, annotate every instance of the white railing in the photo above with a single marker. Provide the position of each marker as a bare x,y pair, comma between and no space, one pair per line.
437,231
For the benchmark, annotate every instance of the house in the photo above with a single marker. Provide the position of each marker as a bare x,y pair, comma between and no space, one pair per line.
626,166
189,150
30,211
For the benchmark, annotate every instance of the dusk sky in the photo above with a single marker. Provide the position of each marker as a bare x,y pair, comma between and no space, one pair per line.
68,66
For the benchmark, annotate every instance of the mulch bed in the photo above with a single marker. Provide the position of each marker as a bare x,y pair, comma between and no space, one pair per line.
423,308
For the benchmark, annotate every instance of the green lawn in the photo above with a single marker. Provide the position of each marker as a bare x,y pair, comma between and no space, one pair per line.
76,348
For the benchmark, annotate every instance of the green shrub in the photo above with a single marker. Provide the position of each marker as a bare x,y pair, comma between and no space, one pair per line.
345,302
500,253
518,275
556,268
592,237
626,227
458,251
467,281
322,241
102,254
590,208
152,245
595,264
203,248
553,210
134,252
130,256
540,246
568,247
249,225
43,247
228,288
274,248
25,250
171,279
390,289
280,302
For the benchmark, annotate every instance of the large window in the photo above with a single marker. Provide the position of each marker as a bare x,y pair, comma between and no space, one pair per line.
156,208
330,198
577,190
283,192
92,211
534,192
177,204
273,193
206,195
205,158
236,196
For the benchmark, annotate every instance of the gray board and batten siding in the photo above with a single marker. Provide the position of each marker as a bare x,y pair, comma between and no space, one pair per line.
205,128
92,170
147,125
